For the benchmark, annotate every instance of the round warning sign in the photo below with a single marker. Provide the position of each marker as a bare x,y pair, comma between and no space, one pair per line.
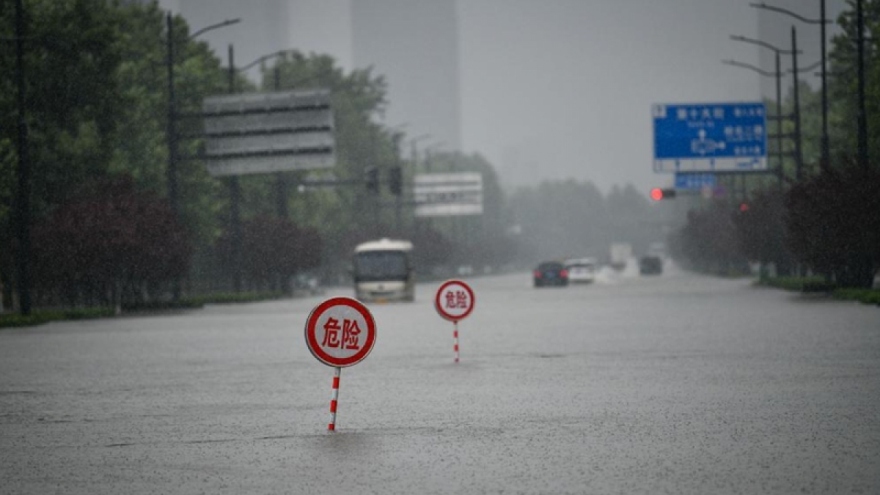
340,332
454,300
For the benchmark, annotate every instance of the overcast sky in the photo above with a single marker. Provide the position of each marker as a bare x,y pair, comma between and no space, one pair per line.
564,88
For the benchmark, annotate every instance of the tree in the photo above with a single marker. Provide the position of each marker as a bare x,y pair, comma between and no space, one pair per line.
760,228
708,242
273,250
833,224
96,93
108,240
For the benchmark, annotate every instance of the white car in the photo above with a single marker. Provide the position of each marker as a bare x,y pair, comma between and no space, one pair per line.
581,270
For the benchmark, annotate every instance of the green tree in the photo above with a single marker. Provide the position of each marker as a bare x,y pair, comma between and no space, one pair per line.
71,103
96,94
833,224
358,98
273,250
709,242
106,241
843,82
760,228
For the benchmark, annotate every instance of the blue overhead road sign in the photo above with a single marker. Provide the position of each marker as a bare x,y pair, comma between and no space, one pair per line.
710,137
694,181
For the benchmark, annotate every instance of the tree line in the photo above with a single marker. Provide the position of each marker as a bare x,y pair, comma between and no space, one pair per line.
101,229
827,223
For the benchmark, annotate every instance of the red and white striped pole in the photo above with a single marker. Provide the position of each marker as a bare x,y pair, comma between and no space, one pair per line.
455,340
334,398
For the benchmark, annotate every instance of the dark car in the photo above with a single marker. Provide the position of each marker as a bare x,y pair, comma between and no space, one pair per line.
651,265
550,273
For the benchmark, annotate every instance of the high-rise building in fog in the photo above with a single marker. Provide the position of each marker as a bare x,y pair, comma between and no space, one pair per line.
414,44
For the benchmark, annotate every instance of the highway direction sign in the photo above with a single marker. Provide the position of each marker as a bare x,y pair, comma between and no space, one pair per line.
710,137
694,181
260,133
448,194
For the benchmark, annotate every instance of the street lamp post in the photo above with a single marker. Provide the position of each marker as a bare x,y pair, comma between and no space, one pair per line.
235,200
798,150
23,191
794,72
862,115
171,130
171,171
822,21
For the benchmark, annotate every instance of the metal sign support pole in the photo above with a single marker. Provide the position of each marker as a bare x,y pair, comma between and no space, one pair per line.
334,398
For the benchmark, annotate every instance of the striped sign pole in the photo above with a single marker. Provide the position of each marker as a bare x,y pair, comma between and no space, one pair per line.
334,398
455,340
454,301
340,332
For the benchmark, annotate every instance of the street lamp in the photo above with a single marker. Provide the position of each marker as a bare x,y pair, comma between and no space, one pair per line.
171,171
822,21
171,131
798,157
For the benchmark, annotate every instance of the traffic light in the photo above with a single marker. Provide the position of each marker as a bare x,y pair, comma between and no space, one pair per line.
371,178
658,193
395,180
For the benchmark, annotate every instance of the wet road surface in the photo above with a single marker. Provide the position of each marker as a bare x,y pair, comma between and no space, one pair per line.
670,384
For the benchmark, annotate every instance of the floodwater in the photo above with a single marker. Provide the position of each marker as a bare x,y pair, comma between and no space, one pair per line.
669,384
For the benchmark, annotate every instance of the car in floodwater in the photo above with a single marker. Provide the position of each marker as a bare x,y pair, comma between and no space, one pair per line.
651,265
550,273
581,270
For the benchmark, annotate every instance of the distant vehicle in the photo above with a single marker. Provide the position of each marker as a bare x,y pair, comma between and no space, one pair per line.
620,253
383,271
307,284
657,249
581,270
651,265
550,273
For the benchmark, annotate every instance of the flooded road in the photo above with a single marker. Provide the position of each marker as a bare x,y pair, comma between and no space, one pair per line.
669,384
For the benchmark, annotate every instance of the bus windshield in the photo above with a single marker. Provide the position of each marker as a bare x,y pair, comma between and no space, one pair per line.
380,265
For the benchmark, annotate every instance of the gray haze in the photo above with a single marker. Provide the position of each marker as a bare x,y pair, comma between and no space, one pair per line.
557,88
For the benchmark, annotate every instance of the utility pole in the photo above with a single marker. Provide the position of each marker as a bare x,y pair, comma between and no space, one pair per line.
798,156
862,114
171,170
171,126
234,200
780,172
23,193
826,145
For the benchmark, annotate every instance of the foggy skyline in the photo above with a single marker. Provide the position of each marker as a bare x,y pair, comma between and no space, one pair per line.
563,89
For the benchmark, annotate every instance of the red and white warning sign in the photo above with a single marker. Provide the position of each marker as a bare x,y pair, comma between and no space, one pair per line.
340,332
454,300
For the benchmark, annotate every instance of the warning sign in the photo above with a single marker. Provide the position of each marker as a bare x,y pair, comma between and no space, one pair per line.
454,300
340,332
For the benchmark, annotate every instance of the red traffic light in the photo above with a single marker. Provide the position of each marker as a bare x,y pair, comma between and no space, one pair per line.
658,193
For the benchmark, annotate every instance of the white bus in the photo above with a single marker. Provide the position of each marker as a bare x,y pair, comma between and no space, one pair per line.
383,271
